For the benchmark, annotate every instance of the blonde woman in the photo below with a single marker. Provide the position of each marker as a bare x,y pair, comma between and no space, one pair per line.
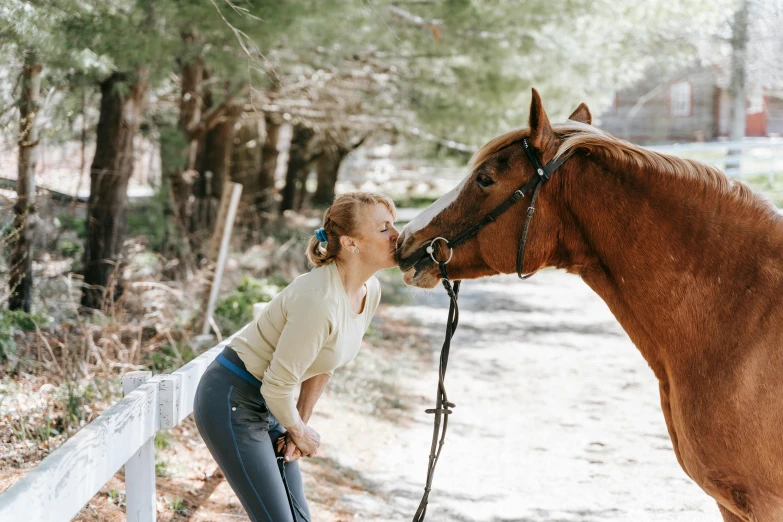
244,407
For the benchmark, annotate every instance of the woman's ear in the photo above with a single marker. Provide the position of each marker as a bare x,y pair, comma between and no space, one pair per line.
347,243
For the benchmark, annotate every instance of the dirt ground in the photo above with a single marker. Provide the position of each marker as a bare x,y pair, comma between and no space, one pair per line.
557,417
557,420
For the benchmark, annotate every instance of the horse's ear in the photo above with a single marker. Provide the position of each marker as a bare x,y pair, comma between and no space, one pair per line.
582,114
541,133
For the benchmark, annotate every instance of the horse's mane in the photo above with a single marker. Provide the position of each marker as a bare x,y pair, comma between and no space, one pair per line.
579,135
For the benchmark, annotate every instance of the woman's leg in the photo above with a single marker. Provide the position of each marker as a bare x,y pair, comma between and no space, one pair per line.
234,425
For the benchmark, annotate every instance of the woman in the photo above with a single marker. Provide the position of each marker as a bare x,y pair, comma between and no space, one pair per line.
244,406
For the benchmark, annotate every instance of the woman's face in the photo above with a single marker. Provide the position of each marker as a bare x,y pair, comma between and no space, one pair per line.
378,237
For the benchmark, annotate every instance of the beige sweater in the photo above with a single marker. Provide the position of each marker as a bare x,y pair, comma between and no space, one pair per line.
307,329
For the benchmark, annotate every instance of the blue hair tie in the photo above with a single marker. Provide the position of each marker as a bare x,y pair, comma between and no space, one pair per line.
320,235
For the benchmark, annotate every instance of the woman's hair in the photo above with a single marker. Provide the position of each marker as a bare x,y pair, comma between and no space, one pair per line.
342,219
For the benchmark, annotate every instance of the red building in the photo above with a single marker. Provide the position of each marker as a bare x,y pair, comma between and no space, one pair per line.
689,106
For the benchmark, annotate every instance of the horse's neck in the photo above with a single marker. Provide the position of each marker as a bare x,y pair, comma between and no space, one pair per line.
671,259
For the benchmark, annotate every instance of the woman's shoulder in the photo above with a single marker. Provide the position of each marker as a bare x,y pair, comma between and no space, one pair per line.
374,285
314,285
374,290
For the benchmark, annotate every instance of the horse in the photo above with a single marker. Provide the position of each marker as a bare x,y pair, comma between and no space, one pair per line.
688,260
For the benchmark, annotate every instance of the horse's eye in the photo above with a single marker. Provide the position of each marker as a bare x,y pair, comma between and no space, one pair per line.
484,181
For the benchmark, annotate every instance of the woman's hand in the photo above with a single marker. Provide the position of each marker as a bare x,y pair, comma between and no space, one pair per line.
305,438
283,444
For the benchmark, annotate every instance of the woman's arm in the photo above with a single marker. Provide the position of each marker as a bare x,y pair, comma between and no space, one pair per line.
307,328
309,395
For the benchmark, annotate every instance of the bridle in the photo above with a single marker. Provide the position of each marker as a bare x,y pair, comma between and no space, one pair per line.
442,405
541,176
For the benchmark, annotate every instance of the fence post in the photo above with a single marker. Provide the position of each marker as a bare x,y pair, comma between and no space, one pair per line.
236,193
140,468
169,401
733,161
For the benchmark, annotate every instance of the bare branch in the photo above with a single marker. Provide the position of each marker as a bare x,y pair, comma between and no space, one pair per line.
432,25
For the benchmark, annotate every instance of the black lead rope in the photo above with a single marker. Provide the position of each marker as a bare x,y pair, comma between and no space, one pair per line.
442,405
292,503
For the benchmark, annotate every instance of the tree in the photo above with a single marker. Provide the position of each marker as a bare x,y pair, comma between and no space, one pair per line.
214,168
122,98
124,73
299,157
264,197
737,88
26,40
21,277
328,160
471,79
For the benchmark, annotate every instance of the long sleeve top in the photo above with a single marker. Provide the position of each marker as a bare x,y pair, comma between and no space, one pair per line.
308,329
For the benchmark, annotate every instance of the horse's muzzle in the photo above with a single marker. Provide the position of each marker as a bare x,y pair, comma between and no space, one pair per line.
418,259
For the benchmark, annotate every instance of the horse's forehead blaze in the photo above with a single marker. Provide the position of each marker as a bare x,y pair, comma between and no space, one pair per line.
424,219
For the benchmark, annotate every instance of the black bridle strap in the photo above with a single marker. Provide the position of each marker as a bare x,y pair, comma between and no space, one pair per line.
544,172
492,216
523,239
443,407
542,175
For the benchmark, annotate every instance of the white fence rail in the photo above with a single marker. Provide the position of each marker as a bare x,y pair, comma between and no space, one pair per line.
124,434
742,159
759,157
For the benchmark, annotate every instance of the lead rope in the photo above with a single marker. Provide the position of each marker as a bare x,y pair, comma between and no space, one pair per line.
442,405
292,503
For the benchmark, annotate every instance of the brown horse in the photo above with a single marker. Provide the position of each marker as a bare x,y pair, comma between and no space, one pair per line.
689,261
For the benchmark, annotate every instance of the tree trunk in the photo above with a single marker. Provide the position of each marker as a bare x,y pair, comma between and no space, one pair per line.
192,98
246,158
326,169
120,115
214,166
179,165
300,201
739,44
265,198
21,277
297,167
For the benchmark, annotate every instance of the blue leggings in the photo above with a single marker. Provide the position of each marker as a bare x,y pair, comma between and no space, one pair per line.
240,432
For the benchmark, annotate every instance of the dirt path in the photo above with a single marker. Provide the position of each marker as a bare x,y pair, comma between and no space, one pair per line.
557,417
557,420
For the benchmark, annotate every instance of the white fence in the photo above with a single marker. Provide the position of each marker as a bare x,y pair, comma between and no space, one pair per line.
745,159
759,157
124,434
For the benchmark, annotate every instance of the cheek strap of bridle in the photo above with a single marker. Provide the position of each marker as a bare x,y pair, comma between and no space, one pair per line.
523,240
543,176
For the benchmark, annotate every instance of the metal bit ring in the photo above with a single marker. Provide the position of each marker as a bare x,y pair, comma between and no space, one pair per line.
431,250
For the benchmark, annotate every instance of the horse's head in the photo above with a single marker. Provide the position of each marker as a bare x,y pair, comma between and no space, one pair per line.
499,169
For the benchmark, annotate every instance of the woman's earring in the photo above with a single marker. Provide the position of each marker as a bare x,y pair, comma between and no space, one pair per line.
355,250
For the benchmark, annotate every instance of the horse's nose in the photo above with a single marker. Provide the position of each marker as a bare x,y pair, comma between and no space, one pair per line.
395,235
400,239
400,245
